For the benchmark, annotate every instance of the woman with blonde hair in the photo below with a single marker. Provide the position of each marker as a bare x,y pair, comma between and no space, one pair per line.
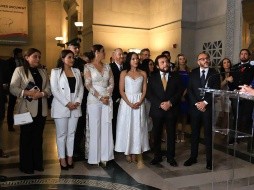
183,70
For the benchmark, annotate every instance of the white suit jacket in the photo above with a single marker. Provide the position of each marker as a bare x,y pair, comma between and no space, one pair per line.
62,94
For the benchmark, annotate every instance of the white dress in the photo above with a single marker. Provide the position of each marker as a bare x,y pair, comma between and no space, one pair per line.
131,128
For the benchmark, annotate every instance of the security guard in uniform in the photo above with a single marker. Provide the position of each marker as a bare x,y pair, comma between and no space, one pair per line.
74,46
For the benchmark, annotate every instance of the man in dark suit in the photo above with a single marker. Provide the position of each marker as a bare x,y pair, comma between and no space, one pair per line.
172,65
201,107
144,54
3,85
243,74
74,46
164,92
116,68
13,62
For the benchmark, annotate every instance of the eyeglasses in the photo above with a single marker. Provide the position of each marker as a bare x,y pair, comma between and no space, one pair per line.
203,59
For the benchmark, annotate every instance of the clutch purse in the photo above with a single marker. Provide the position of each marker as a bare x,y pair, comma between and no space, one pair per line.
23,118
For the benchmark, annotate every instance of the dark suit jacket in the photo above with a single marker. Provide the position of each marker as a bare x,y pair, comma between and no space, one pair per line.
156,94
3,80
116,73
212,80
12,66
80,63
241,78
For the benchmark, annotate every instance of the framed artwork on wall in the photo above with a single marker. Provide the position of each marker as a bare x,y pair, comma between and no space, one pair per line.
13,22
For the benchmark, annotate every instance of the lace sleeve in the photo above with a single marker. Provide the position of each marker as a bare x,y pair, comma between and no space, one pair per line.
89,83
111,82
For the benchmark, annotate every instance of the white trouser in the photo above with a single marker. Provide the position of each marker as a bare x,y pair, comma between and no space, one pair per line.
101,139
65,133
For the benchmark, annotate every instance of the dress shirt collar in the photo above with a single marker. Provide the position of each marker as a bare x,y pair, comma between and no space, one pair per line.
166,74
119,66
201,69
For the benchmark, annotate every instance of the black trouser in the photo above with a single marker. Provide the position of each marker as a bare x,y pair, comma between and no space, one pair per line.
245,109
245,122
31,140
114,120
79,134
170,123
197,119
2,106
10,110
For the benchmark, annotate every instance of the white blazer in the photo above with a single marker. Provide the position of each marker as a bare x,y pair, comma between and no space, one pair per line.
62,94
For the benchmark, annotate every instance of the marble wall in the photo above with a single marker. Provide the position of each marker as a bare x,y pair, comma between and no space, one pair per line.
44,25
135,24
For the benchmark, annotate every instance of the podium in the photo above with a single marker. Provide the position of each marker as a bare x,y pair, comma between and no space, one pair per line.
232,146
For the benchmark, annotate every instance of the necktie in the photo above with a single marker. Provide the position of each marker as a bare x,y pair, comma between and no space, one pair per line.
121,68
242,69
164,81
203,79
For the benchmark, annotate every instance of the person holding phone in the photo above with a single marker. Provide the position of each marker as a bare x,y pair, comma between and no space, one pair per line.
31,135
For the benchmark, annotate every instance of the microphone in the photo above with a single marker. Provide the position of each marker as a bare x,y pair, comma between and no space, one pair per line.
217,74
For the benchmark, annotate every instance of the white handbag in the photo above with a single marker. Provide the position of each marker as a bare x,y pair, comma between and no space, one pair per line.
23,118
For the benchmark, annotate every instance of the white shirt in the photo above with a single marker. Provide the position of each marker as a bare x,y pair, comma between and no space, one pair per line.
119,66
206,71
166,75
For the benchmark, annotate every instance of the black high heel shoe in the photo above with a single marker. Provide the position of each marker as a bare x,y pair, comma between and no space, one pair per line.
71,166
69,159
64,167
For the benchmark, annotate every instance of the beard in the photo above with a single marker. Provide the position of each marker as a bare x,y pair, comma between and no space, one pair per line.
244,60
204,65
164,70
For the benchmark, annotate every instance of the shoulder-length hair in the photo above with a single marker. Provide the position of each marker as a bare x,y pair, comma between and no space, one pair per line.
145,66
177,62
63,54
222,70
128,61
27,53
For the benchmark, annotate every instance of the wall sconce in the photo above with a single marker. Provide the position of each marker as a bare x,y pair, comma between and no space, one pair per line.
136,50
79,26
59,41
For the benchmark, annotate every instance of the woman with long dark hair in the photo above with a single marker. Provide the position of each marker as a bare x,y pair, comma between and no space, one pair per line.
99,81
132,133
225,68
34,100
67,89
223,104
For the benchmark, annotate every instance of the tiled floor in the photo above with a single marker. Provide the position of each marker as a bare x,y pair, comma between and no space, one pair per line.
228,173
